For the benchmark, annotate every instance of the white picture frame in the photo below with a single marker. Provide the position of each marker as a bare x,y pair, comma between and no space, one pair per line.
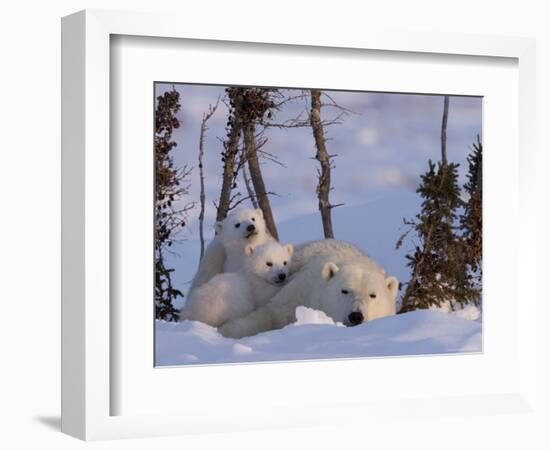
87,322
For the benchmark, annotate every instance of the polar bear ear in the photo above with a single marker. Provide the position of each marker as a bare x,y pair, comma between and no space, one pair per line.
393,285
329,270
248,250
259,212
218,227
289,249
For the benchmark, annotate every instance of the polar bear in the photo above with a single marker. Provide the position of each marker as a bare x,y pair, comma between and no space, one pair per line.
333,248
331,276
225,253
231,295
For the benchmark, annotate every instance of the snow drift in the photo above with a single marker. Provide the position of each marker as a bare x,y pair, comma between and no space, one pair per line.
315,336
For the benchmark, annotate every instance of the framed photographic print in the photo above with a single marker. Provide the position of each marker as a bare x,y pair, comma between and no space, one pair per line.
269,200
330,207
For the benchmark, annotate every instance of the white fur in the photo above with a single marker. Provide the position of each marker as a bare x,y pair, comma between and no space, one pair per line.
337,250
326,271
228,296
226,251
266,268
224,297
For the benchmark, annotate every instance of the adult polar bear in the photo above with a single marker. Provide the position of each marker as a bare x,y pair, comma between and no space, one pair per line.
241,228
329,275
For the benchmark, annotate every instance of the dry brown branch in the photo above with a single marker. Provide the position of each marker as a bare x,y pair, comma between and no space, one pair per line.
278,105
332,103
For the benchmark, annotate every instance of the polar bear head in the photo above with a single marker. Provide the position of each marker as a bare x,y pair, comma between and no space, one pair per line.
269,261
243,223
353,293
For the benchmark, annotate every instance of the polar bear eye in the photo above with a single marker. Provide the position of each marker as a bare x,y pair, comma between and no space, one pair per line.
268,264
237,225
284,263
345,291
372,295
253,219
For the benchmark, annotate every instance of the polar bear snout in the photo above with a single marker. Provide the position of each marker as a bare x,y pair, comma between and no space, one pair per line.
251,231
279,278
355,318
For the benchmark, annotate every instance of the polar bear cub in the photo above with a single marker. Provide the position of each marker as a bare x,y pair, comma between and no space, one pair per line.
228,296
242,227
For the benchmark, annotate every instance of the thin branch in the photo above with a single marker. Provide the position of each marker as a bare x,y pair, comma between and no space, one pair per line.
202,197
334,104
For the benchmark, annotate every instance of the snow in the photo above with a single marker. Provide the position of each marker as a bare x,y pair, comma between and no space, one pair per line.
468,312
315,336
307,316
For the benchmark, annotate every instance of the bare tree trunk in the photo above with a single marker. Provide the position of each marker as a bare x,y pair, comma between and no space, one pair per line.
444,130
323,188
205,118
228,177
257,179
249,189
